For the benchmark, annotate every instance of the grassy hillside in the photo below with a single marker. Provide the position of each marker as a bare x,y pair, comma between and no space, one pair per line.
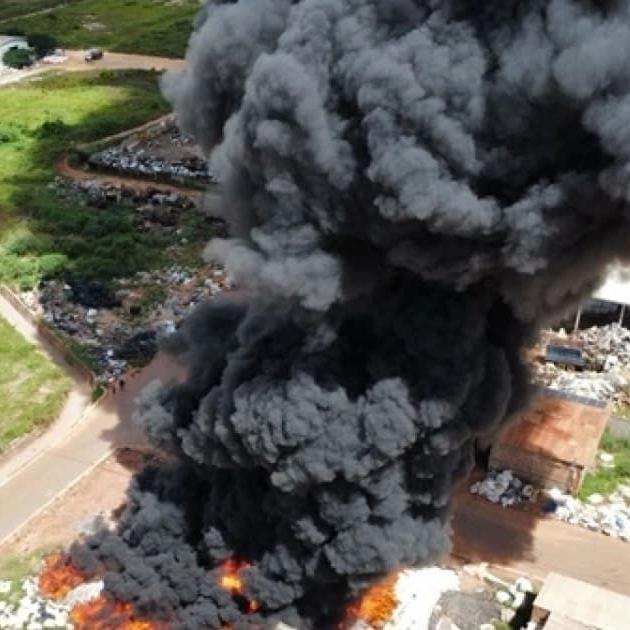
32,389
43,233
14,8
152,27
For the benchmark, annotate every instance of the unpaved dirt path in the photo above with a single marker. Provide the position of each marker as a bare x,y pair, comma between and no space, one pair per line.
110,61
534,545
66,170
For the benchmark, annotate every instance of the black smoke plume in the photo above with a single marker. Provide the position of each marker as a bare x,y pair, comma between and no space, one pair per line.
413,187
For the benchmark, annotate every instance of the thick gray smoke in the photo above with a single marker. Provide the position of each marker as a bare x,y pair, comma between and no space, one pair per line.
412,187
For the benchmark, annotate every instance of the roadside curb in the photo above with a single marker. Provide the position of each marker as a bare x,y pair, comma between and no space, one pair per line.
58,495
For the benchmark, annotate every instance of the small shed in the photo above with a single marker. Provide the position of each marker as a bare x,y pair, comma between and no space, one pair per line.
554,442
565,603
11,42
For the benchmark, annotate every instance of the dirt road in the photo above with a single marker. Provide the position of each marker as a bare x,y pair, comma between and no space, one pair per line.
66,170
110,61
535,546
119,61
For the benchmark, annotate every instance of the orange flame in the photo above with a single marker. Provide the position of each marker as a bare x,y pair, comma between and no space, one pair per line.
104,613
377,604
59,576
232,582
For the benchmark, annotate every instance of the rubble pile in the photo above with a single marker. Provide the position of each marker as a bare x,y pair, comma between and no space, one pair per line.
606,351
33,610
120,326
101,194
141,163
503,487
609,515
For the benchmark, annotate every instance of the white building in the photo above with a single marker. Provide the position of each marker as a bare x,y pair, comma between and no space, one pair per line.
10,42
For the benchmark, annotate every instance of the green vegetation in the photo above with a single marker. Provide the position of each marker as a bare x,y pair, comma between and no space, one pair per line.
32,389
42,43
17,58
97,392
151,27
605,480
44,233
14,8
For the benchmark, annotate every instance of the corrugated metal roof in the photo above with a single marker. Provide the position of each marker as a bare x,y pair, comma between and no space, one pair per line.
590,605
558,428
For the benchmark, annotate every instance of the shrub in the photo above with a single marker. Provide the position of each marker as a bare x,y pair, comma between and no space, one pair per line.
42,43
18,58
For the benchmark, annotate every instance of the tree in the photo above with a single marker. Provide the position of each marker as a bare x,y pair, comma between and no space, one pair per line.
18,58
42,43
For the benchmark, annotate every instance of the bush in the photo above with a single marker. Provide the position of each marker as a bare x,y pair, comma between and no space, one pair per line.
42,43
18,58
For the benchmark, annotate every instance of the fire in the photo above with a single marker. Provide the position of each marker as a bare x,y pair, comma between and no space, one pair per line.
104,613
377,604
232,582
59,576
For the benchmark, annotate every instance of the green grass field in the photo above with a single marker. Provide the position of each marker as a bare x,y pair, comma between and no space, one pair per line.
32,389
42,233
15,8
605,480
151,27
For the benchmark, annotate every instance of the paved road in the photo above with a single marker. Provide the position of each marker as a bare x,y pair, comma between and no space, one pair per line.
102,428
536,546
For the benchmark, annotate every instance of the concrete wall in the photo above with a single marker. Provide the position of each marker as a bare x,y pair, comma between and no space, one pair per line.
538,469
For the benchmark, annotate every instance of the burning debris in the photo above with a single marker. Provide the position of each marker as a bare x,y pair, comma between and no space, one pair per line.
413,189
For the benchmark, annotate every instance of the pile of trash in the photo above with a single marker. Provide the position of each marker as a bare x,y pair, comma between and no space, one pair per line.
123,160
510,596
120,326
503,487
101,194
33,609
609,515
606,352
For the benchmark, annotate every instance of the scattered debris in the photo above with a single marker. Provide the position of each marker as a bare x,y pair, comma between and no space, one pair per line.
609,515
34,610
121,325
140,163
503,487
605,351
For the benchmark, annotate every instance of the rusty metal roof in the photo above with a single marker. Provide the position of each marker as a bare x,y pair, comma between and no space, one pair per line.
559,428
